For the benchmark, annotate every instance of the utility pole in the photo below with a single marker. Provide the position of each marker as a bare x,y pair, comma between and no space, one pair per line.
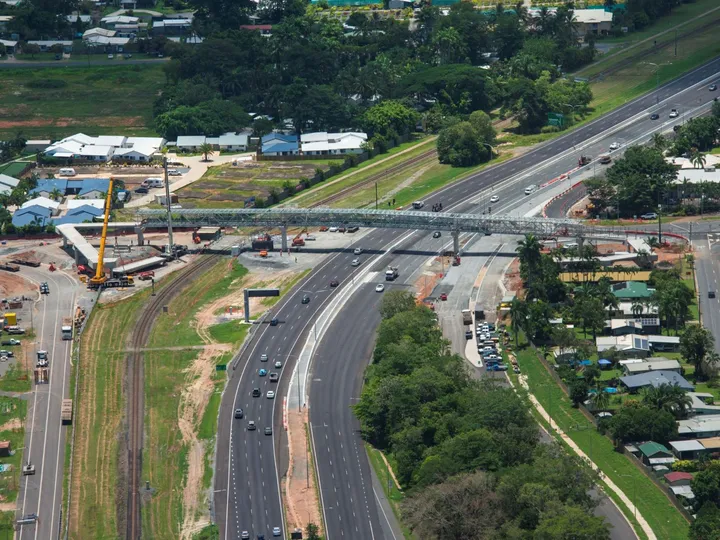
376,196
167,203
676,42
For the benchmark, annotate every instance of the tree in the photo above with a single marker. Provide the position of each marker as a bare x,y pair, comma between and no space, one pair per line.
460,146
390,119
528,251
706,525
56,194
518,317
31,48
667,397
697,159
396,302
637,422
312,531
706,484
600,400
571,522
206,149
482,124
578,391
695,343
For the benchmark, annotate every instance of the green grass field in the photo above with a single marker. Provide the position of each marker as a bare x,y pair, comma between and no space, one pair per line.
665,520
12,409
93,100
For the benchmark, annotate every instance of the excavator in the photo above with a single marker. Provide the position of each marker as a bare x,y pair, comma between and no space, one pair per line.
100,280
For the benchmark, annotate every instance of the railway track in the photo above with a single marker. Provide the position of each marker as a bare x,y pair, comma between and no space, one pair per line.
135,361
430,154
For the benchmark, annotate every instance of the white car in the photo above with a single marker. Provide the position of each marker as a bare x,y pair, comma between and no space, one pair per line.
357,251
494,199
174,172
379,287
355,262
615,146
674,113
270,394
333,229
263,357
278,364
276,531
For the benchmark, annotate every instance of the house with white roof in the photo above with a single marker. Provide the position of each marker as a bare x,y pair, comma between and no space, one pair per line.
230,142
592,21
51,205
72,204
112,20
634,344
190,143
95,153
322,143
9,45
46,44
97,32
138,152
72,19
117,141
7,183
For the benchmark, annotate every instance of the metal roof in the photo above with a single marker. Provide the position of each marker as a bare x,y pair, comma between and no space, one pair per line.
687,446
138,265
656,378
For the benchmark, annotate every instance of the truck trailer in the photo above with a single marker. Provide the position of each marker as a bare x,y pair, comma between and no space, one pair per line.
391,273
67,328
66,413
467,317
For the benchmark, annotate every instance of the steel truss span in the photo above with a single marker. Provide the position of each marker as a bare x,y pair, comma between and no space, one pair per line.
387,219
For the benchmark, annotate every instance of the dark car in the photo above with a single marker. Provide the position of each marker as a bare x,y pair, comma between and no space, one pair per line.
239,413
306,299
268,430
256,392
654,116
711,294
437,234
142,190
274,321
342,229
273,377
712,87
334,283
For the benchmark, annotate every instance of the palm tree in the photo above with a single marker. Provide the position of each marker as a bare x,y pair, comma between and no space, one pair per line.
697,159
600,399
55,194
659,141
518,317
667,397
637,308
528,251
206,150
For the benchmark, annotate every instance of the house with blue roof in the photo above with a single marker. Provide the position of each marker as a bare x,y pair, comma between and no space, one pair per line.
279,144
86,211
32,215
93,188
88,188
47,185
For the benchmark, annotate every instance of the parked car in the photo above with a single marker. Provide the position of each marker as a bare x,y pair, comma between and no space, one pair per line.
142,190
649,215
443,296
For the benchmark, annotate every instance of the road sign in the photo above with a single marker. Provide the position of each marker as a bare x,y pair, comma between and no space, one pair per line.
556,119
221,367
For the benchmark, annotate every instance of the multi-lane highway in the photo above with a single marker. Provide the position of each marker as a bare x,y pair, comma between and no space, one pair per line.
246,480
41,493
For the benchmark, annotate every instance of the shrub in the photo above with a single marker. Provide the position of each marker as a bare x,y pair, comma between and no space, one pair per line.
47,83
685,465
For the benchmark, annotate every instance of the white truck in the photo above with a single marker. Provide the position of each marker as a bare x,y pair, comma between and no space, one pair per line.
66,328
391,273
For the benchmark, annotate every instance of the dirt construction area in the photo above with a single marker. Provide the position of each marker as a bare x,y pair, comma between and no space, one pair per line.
131,175
233,184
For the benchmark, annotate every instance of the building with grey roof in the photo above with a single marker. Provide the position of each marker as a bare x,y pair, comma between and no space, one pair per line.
655,378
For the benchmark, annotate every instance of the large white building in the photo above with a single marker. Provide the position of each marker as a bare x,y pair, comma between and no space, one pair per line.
322,143
103,148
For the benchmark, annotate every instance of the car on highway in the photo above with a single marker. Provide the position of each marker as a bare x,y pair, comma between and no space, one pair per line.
614,146
44,289
245,535
274,321
417,205
278,364
270,394
262,372
494,199
256,392
305,299
712,87
263,357
276,531
604,160
334,283
355,262
268,430
654,116
251,426
357,251
674,113
239,413
443,296
274,377
142,190
649,215
437,234
333,229
379,287
711,294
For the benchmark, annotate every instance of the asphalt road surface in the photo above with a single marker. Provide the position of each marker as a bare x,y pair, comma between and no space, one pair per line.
247,486
41,493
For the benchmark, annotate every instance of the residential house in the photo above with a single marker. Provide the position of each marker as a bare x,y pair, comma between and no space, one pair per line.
84,19
4,20
322,143
10,45
653,453
231,142
683,492
711,445
128,4
72,204
81,214
190,143
90,188
194,40
652,364
632,290
700,427
37,145
634,383
50,204
279,144
155,142
621,327
629,310
113,20
128,30
95,153
594,277
171,27
263,29
46,186
116,141
664,343
137,153
8,183
691,449
92,33
114,44
45,45
592,21
702,403
32,215
631,344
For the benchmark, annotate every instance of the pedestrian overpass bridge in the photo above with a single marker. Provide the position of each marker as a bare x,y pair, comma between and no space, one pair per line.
389,219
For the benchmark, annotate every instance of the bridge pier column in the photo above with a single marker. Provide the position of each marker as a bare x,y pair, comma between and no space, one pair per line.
65,242
140,235
284,244
77,255
456,242
247,306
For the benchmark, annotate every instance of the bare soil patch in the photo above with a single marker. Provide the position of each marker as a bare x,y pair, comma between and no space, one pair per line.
11,425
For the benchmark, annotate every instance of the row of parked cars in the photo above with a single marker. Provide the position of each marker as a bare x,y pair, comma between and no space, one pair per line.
488,343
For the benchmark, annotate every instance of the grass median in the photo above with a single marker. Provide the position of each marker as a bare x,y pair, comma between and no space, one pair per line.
662,516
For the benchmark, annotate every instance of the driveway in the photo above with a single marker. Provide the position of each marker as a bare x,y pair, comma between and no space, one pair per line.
198,167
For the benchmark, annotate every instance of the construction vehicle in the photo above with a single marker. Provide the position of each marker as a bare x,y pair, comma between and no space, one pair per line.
264,253
467,316
196,238
66,412
9,267
67,328
584,160
391,273
26,262
99,279
42,375
298,241
10,318
262,242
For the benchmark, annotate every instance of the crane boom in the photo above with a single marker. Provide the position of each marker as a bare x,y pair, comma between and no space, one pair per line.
99,277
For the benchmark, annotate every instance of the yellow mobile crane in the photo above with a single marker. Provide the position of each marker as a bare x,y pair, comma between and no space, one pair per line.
100,279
